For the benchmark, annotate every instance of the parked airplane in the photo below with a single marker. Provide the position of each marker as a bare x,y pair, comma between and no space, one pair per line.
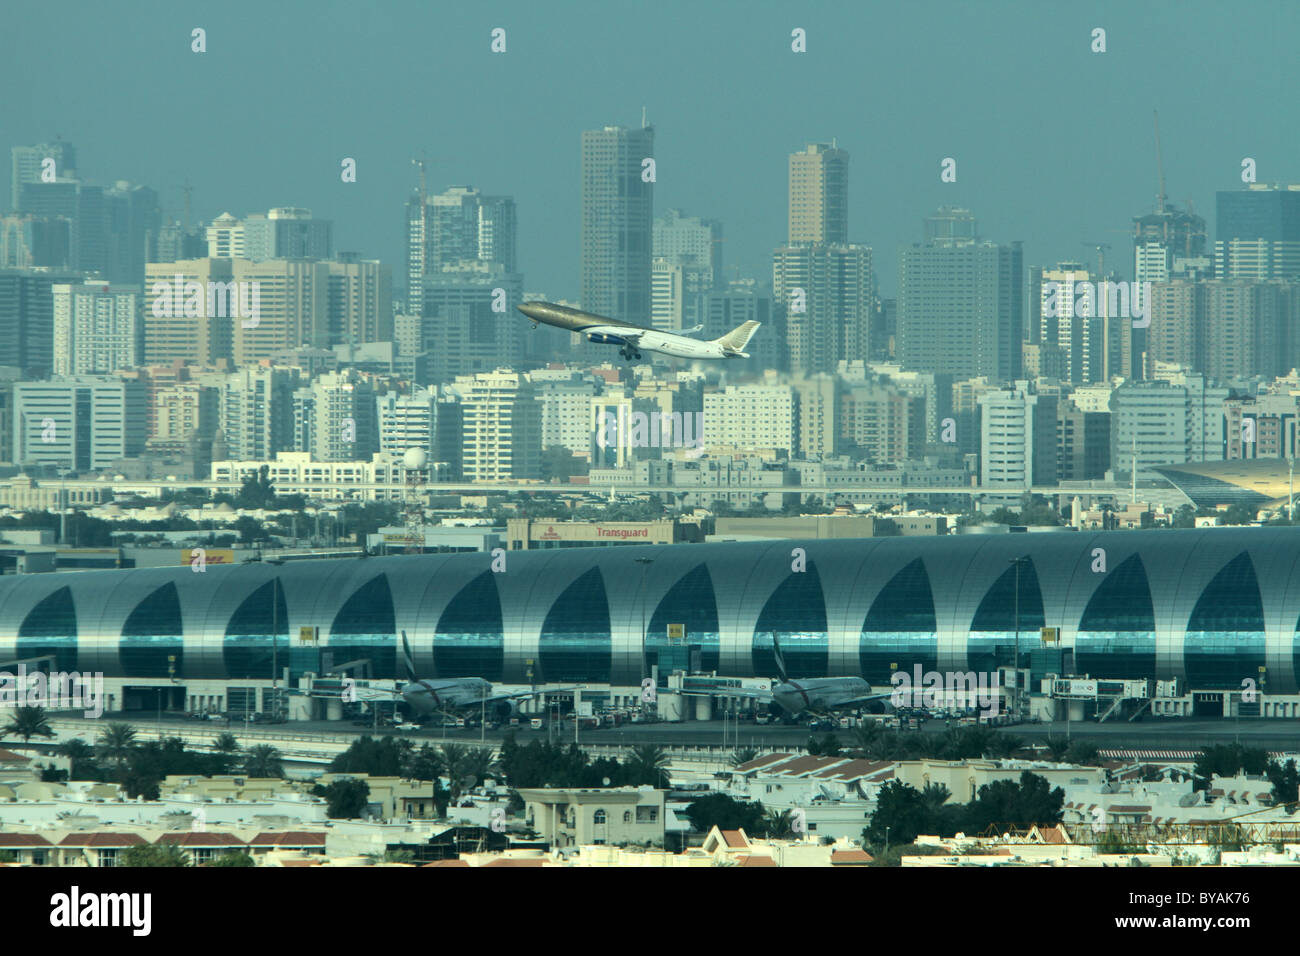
633,338
815,695
449,694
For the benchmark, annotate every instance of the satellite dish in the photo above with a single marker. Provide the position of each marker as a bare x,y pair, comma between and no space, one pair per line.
415,458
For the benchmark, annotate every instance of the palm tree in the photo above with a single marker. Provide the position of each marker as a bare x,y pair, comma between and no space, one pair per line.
76,748
453,760
779,825
647,766
116,741
477,765
28,722
263,761
744,755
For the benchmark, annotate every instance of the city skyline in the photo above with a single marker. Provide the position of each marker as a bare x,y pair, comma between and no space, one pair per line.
1019,185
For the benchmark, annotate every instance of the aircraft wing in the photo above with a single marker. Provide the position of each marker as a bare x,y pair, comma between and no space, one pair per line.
739,693
865,698
515,695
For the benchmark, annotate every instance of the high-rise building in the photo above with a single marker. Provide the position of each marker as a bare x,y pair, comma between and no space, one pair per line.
98,328
287,233
1017,439
226,237
468,320
33,242
726,308
880,423
1257,233
689,241
345,426
827,294
1170,421
748,417
82,423
502,426
617,224
293,301
27,318
463,225
177,324
256,410
566,409
359,302
426,419
29,165
819,194
961,302
1161,237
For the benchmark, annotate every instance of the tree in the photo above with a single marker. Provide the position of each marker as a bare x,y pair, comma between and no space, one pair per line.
258,490
231,858
345,799
263,761
559,464
778,825
1227,760
116,741
1185,517
153,856
1007,802
28,722
741,756
1286,783
645,767
885,528
726,813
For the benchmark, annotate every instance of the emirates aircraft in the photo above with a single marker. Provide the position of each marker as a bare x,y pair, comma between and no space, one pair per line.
631,339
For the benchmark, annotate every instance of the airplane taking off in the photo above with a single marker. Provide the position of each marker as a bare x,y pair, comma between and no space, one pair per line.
633,338
815,695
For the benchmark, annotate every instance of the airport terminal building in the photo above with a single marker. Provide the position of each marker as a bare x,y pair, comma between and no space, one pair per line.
1207,607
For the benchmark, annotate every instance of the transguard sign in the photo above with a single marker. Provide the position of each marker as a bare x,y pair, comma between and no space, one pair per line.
676,633
1051,635
306,635
210,555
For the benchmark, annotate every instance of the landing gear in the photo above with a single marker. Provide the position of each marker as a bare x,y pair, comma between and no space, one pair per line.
629,353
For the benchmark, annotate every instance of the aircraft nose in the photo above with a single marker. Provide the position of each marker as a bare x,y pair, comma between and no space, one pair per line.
531,309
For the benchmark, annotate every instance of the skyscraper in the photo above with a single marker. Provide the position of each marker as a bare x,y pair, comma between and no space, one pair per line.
827,292
819,194
617,222
28,162
97,328
1257,233
960,302
463,225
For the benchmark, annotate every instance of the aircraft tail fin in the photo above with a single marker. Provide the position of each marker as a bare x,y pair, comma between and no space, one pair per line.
739,337
408,658
779,657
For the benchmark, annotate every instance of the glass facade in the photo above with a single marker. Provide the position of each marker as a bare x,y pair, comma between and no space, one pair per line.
366,629
900,628
51,628
1117,633
153,634
470,640
1225,635
692,603
795,615
575,641
899,595
247,649
1012,606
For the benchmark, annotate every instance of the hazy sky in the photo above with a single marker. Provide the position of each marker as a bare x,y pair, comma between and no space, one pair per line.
1053,142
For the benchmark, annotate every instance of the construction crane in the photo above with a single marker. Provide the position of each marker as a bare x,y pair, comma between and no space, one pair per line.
1160,167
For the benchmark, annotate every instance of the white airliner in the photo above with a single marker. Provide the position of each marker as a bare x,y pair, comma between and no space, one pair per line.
633,338
815,695
451,694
